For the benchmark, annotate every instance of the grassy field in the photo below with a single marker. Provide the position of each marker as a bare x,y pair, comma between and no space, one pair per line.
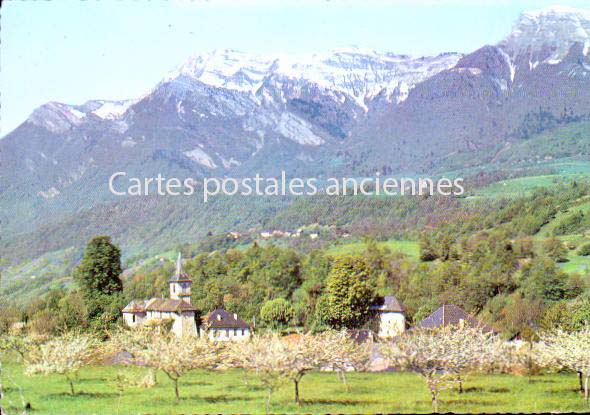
409,248
519,186
575,263
237,391
562,171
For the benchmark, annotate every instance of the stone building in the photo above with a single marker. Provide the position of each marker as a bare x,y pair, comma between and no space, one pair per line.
389,317
177,309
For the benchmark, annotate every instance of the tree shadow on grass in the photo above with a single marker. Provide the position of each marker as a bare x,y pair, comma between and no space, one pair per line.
498,390
474,402
357,389
216,399
339,401
99,379
472,389
83,394
541,381
196,382
250,388
225,399
565,390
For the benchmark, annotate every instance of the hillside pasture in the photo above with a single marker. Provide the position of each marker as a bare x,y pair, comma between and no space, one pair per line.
343,247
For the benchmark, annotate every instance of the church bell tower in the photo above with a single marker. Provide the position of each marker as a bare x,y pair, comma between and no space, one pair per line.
180,283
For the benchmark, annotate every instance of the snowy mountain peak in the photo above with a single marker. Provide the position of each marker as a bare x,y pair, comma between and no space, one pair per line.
59,117
558,11
554,28
360,74
111,110
227,68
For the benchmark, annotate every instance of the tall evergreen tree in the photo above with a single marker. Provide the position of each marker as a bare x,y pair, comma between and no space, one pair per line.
98,274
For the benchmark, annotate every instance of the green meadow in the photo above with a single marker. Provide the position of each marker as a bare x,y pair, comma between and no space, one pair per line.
409,248
235,391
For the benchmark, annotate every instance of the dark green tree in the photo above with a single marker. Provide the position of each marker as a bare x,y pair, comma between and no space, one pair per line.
554,249
98,276
277,313
541,279
349,293
427,248
567,315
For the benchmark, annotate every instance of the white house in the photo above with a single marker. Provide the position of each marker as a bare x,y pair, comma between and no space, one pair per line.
390,317
221,325
177,309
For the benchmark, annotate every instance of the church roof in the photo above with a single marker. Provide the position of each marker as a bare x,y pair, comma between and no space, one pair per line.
388,304
179,274
222,319
135,306
158,304
169,305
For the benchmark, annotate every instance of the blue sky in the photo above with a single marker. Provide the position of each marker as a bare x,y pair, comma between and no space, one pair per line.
71,51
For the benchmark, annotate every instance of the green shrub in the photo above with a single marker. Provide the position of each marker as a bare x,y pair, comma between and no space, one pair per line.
277,313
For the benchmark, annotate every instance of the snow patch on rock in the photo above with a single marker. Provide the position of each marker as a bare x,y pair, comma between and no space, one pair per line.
228,163
201,157
111,110
49,193
298,130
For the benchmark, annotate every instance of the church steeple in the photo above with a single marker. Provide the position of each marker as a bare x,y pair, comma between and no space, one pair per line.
178,265
180,283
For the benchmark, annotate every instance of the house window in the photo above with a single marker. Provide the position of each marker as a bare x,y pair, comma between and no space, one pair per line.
242,332
133,318
235,332
173,288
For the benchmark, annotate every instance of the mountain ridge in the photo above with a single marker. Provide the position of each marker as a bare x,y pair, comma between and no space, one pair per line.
341,113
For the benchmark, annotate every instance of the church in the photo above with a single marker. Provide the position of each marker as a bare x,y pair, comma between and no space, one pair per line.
177,309
218,325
